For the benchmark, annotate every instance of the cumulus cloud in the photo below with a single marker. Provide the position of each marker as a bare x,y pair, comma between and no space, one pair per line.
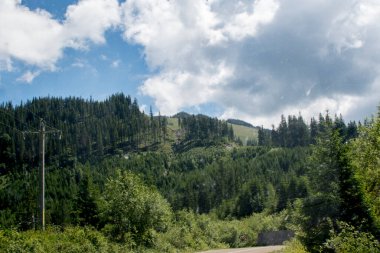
188,89
89,19
36,38
277,56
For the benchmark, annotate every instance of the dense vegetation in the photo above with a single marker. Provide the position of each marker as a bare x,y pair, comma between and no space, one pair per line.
123,181
295,132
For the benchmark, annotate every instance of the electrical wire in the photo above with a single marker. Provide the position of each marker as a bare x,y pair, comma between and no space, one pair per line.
22,123
11,127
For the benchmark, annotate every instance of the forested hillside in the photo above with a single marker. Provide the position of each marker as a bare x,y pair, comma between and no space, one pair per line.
119,180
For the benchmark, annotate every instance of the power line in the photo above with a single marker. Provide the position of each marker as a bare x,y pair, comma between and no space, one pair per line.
11,127
22,123
38,117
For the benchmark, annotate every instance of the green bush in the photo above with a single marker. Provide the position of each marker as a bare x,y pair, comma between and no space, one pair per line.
294,246
189,232
351,240
193,232
68,240
132,210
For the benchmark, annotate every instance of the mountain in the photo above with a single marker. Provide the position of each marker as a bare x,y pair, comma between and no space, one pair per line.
181,115
239,122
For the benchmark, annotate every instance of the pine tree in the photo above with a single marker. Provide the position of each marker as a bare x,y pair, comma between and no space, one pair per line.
336,193
86,200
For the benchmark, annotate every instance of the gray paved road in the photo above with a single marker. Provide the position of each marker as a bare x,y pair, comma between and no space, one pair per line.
266,249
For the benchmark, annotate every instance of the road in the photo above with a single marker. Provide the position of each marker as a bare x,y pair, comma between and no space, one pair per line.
266,249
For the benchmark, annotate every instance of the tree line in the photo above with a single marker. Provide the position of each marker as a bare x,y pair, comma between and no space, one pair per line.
200,127
294,132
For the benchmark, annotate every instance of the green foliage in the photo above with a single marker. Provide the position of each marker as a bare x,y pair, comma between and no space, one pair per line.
365,154
90,130
350,240
68,240
193,232
204,130
132,210
252,198
86,202
188,232
294,132
294,246
336,194
196,166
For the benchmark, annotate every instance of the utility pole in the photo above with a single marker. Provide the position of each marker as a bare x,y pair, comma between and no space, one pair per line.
42,174
42,132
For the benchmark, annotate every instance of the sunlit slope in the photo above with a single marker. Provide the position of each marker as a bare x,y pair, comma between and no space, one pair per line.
242,132
245,133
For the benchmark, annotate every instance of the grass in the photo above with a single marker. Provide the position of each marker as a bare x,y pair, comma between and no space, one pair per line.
245,133
173,124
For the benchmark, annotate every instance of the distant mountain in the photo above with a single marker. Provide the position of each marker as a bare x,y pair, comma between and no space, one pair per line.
239,122
181,115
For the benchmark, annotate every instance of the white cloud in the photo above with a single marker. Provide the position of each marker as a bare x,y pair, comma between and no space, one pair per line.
349,29
31,36
172,31
175,89
184,39
28,76
339,104
36,38
89,19
246,24
281,56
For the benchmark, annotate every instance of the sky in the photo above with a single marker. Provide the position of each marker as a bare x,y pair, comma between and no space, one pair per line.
250,59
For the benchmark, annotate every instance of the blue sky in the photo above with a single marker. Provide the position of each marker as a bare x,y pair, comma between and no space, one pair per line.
251,59
97,72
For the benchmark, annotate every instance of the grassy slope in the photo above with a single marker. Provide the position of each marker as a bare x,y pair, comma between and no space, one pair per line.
245,133
173,123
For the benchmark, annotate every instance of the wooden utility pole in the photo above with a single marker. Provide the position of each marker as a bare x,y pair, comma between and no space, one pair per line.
42,132
42,174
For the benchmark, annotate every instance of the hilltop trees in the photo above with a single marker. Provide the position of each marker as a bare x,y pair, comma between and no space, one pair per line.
294,132
203,128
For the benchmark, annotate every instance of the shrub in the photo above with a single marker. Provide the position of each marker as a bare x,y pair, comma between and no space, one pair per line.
351,240
132,210
54,239
294,246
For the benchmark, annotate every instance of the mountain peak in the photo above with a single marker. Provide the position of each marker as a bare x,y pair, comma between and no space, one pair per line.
239,122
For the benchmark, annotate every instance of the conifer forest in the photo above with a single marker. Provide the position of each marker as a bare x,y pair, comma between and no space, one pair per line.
118,179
